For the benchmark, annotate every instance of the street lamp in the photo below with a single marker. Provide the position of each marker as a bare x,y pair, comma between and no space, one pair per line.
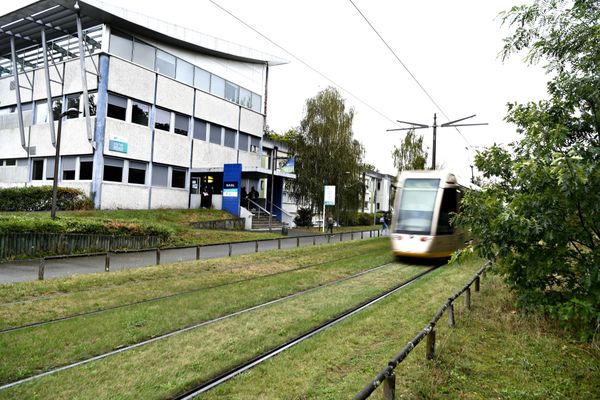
70,111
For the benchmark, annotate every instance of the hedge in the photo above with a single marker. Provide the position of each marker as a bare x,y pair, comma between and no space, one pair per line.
39,198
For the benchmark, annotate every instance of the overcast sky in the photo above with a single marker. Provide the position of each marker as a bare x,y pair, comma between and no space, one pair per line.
451,47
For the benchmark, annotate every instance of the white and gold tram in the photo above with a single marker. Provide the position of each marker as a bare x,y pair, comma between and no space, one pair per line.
425,201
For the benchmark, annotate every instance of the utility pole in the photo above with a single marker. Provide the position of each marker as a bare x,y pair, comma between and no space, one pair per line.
451,124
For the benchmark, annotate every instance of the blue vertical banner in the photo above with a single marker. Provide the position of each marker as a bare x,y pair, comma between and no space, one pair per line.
232,177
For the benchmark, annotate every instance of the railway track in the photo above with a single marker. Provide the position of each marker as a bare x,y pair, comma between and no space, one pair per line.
230,374
240,312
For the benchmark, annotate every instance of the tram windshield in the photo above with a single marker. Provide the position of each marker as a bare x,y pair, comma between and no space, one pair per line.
416,207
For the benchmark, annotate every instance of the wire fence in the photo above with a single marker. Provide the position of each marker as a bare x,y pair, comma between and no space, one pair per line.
387,376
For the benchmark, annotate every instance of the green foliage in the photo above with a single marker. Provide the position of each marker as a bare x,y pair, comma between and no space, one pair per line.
538,215
39,198
304,217
326,153
410,155
356,219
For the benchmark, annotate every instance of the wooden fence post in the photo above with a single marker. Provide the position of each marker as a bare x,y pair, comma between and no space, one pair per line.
362,235
341,234
158,256
328,238
298,241
451,315
256,247
197,252
314,240
351,235
468,298
370,233
41,269
431,344
477,284
230,249
107,262
389,387
278,244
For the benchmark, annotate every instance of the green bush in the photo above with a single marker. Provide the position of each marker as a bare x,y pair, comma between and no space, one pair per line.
39,198
304,217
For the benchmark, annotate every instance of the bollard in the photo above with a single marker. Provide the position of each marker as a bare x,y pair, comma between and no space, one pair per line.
389,387
468,298
230,250
341,234
298,241
451,315
477,284
256,247
362,236
107,262
431,345
328,239
278,244
371,234
314,240
351,235
197,252
157,256
41,269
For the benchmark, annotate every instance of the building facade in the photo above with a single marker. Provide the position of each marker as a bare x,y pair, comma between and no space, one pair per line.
156,110
379,192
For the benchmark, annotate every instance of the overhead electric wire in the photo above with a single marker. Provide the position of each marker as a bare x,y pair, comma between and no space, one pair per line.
407,70
303,62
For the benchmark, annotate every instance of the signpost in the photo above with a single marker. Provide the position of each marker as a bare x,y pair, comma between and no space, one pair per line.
328,200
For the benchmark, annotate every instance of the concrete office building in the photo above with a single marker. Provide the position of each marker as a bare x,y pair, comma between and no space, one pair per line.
161,108
379,192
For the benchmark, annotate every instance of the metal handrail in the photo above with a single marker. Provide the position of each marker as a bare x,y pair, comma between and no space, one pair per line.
258,206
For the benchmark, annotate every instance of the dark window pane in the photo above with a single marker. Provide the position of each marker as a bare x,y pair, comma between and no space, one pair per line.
117,107
92,103
254,144
68,175
215,134
229,138
112,173
140,113
73,102
182,124
56,108
199,129
10,162
159,175
85,170
178,178
37,174
162,119
68,167
137,175
165,63
243,141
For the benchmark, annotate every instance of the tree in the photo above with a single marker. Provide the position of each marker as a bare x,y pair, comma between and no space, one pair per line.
326,153
538,213
410,155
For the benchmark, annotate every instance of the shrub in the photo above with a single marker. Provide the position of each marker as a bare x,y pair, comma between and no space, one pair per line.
304,217
39,198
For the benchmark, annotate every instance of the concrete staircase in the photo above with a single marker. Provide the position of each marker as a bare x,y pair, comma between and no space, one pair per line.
261,223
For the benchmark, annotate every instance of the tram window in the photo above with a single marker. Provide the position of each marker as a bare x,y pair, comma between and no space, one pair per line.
448,207
417,205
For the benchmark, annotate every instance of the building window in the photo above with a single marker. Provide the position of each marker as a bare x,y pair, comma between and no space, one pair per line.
140,113
113,170
229,138
165,63
199,129
231,92
68,168
185,72
201,79
92,104
245,98
182,124
73,101
137,172
160,175
56,107
41,112
243,141
254,144
144,54
49,169
217,86
121,45
162,119
9,162
215,134
85,169
37,172
256,102
178,178
117,107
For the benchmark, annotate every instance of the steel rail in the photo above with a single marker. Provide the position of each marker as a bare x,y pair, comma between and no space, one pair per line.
168,296
190,327
226,376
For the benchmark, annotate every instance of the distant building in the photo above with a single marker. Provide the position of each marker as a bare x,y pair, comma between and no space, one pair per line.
379,192
168,107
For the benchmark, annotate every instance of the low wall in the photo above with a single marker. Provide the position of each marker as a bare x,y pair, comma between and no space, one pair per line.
233,224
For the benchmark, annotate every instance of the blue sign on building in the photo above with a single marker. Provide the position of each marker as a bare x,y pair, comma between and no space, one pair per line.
232,177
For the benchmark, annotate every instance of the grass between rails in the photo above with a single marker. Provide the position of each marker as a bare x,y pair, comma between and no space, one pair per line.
165,368
43,300
493,352
26,352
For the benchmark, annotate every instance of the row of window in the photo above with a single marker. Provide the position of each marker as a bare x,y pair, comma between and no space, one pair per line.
60,104
132,49
138,112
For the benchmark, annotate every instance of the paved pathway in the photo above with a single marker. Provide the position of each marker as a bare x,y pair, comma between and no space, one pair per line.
28,270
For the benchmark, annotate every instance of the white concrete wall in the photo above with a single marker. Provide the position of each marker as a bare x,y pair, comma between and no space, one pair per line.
249,159
171,148
9,97
11,121
139,139
122,195
252,122
130,80
13,174
214,109
73,75
174,95
74,136
40,138
169,198
39,83
208,155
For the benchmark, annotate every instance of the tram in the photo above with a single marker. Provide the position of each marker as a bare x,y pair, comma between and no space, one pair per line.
424,203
